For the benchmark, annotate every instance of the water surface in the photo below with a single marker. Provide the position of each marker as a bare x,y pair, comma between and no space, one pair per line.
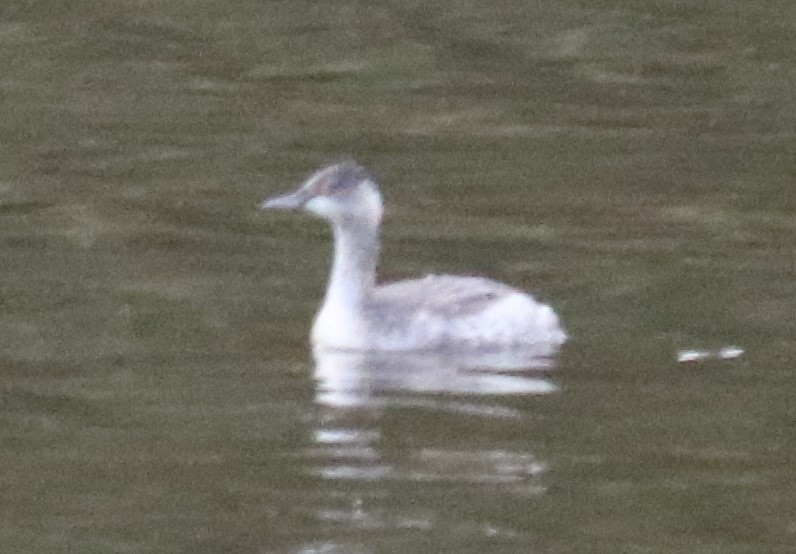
628,162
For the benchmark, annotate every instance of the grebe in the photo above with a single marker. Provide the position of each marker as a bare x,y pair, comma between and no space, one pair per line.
437,311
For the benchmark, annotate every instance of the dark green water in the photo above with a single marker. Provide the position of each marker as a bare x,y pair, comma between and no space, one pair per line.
631,163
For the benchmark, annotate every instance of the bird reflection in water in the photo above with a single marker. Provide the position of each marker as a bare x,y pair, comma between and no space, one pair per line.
381,431
352,378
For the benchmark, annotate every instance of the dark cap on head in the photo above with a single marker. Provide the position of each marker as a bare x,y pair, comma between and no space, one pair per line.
337,178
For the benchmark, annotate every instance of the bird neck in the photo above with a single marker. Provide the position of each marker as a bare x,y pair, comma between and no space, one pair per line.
353,276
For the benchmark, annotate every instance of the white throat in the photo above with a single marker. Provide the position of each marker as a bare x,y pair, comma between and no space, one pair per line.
353,277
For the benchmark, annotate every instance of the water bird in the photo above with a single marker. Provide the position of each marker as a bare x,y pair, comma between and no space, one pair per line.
429,313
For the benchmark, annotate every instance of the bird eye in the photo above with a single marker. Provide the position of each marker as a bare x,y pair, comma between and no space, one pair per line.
326,186
336,185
